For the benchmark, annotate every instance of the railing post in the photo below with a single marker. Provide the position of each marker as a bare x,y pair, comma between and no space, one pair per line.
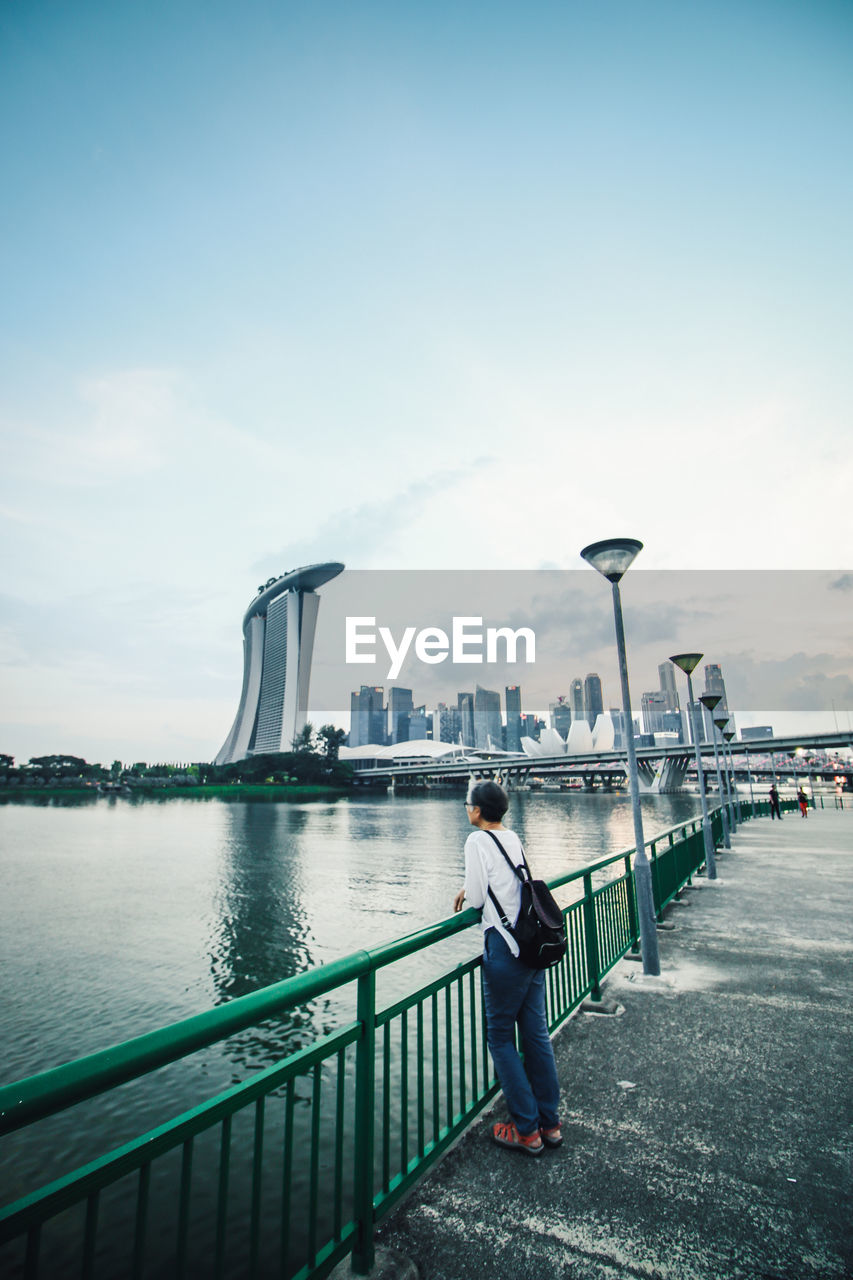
632,907
363,1254
590,931
657,896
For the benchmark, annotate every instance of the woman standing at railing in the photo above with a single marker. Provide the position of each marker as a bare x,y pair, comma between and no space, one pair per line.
514,993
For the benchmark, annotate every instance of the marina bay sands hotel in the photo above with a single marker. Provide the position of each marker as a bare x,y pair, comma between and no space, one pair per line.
278,640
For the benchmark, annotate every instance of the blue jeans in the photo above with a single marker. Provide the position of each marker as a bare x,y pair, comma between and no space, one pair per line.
516,994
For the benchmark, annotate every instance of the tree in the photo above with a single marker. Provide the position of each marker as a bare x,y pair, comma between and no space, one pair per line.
304,740
332,738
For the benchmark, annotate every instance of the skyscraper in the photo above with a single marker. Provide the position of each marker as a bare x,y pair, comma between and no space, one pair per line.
487,717
561,716
576,699
278,640
367,717
400,707
512,696
654,707
446,723
714,683
465,702
419,724
666,676
592,699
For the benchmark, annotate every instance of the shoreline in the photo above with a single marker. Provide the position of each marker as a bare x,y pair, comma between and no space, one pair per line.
235,791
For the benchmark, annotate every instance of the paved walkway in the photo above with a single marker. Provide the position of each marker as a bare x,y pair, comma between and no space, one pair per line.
707,1127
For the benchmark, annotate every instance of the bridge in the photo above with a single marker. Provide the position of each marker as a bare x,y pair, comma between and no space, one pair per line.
661,769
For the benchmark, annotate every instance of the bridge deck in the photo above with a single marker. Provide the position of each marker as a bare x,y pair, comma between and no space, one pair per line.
706,1129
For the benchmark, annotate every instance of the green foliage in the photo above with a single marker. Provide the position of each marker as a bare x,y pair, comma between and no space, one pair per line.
332,739
307,767
63,766
304,740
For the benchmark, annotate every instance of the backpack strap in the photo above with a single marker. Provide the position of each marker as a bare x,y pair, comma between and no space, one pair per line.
516,871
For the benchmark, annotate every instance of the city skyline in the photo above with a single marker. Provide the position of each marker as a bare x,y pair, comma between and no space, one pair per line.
375,722
419,291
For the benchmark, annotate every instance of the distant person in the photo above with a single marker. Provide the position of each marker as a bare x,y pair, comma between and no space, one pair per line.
514,993
803,803
775,807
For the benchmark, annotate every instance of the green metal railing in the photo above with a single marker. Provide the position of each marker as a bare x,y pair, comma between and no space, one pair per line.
289,1171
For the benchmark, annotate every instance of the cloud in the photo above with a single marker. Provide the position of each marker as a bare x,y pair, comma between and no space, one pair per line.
125,421
358,535
801,682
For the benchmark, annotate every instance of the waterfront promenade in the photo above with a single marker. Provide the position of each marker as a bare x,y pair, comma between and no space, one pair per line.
706,1123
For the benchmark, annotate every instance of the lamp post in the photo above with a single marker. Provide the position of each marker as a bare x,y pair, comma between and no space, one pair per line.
728,735
721,724
612,558
751,792
710,701
688,663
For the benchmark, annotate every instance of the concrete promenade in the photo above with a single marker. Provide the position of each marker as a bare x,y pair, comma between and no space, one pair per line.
707,1125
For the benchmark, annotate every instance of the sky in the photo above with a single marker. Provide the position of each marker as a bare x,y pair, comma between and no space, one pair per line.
414,287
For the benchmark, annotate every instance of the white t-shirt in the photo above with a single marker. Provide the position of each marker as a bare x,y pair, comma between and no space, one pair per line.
486,868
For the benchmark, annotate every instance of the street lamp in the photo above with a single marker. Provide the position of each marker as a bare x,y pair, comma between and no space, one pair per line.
728,735
688,663
721,724
749,775
710,701
612,558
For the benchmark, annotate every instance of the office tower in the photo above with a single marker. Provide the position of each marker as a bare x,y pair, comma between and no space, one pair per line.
400,706
367,717
666,676
278,640
512,696
465,703
487,717
618,719
530,726
419,723
714,683
561,716
576,699
654,708
446,723
696,717
592,699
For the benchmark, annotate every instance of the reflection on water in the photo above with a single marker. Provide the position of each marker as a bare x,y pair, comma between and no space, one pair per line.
261,931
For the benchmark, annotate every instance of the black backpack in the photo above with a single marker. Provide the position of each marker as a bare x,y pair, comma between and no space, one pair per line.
540,929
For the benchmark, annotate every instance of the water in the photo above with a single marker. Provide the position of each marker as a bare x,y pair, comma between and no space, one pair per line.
120,916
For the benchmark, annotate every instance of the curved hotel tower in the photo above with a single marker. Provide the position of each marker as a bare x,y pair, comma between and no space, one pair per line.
278,639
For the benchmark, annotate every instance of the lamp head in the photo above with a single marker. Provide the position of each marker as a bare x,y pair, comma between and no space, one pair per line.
688,662
612,557
722,722
728,736
710,700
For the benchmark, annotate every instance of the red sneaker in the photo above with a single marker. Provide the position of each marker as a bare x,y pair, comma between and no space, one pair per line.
506,1135
552,1137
